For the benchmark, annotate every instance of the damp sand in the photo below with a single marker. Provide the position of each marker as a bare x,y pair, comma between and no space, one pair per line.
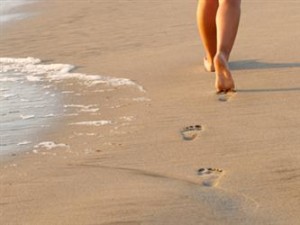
128,162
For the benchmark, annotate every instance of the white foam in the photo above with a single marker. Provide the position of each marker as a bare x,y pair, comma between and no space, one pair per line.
9,79
48,115
32,66
86,134
26,117
33,78
141,99
78,106
28,60
24,143
83,108
79,76
57,72
115,82
8,96
50,145
90,110
127,118
93,123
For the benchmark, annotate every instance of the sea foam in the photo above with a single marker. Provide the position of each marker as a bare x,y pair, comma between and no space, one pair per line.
39,71
93,123
50,145
30,100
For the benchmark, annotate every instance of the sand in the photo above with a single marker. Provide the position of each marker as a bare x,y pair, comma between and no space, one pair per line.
144,171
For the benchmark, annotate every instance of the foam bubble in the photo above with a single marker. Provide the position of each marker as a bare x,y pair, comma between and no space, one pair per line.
26,117
48,115
141,99
33,78
50,145
93,123
90,110
28,60
24,143
8,96
78,106
127,118
83,108
9,79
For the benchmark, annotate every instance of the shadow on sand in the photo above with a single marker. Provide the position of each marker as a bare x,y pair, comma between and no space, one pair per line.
255,64
269,90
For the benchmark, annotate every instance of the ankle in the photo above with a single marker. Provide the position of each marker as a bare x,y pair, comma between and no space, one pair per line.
209,59
222,54
220,59
209,65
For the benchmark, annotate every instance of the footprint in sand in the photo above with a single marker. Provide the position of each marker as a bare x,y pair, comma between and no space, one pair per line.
225,96
210,176
191,132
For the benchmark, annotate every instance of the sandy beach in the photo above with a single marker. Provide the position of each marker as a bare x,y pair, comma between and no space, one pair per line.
166,150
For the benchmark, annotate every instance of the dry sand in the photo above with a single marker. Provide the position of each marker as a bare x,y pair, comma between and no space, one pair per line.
143,171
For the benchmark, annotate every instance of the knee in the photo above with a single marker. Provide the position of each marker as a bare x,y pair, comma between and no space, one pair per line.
231,3
208,2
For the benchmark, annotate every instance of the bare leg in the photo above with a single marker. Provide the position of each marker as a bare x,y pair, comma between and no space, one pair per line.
206,19
227,20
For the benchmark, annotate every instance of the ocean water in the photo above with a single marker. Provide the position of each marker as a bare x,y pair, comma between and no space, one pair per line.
30,99
27,104
8,10
15,106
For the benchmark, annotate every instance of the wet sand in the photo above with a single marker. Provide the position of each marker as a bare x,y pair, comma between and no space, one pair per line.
240,167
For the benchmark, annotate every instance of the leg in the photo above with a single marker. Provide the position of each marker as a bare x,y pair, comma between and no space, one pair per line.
206,19
227,21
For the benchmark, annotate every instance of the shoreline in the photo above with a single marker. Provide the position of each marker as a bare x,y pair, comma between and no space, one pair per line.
138,169
16,13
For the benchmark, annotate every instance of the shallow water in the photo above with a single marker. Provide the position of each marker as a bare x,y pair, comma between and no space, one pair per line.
8,12
30,99
26,107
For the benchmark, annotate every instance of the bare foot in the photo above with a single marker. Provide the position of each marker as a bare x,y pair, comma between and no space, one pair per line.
224,81
208,65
